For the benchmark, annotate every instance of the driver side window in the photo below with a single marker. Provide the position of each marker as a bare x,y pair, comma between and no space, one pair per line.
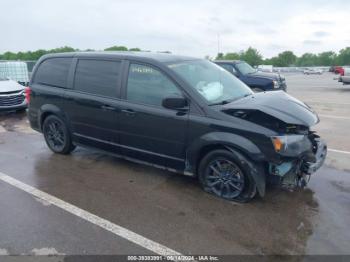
147,85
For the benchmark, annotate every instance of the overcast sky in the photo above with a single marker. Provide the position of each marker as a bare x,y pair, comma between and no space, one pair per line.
182,27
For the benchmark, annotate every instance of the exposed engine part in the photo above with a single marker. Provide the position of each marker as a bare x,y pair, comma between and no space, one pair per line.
291,174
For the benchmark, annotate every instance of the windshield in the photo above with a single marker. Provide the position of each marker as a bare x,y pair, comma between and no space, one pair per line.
211,81
245,68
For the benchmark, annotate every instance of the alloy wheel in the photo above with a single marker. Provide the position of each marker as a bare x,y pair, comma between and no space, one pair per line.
225,178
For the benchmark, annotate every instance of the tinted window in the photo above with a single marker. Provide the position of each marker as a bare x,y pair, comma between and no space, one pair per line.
53,72
148,85
97,77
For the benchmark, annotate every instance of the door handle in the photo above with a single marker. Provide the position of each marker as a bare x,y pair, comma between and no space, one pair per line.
128,112
106,107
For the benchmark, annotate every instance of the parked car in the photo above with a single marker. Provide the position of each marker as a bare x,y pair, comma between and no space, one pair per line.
184,114
257,81
312,71
346,77
12,95
339,70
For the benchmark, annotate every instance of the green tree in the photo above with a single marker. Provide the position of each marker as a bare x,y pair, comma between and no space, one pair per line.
344,57
116,48
251,56
220,56
326,58
9,56
286,58
232,56
135,49
307,59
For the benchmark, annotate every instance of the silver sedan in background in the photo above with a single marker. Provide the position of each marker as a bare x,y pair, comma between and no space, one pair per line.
12,95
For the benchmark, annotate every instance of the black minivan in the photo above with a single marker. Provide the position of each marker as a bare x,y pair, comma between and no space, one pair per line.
184,114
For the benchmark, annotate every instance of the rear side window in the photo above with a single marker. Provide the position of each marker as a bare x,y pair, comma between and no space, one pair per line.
97,77
53,72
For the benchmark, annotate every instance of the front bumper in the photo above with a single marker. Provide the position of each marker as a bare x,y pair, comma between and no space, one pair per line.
12,101
320,156
283,86
296,173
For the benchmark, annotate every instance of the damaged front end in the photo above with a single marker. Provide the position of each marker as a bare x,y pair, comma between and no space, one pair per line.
296,151
301,156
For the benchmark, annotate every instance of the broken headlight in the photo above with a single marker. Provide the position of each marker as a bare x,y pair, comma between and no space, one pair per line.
291,145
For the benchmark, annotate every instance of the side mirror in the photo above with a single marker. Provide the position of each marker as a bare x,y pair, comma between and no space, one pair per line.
175,102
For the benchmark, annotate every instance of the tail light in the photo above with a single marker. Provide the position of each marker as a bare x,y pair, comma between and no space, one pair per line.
27,92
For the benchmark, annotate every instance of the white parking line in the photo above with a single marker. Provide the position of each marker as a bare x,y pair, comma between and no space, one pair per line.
336,117
105,224
339,151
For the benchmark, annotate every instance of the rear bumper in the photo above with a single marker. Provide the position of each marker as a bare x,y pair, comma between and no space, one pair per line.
33,119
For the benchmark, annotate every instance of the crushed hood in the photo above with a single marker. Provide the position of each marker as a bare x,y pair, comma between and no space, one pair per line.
10,86
273,105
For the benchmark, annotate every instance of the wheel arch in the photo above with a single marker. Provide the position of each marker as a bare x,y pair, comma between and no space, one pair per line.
49,109
245,150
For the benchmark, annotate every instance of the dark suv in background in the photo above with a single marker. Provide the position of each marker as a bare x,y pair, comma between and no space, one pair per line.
257,81
184,114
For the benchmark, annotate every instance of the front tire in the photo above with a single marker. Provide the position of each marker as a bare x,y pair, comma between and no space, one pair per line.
57,136
221,174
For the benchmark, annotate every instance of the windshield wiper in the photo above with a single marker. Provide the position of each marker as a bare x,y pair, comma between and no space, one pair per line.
224,102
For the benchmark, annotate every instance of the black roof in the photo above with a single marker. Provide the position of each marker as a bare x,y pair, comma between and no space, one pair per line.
159,57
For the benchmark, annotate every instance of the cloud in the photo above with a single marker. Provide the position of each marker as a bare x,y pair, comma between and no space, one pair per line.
267,31
249,22
321,34
321,22
276,47
312,42
182,26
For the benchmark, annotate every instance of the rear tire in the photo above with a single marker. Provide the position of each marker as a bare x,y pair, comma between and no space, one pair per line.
221,174
57,135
